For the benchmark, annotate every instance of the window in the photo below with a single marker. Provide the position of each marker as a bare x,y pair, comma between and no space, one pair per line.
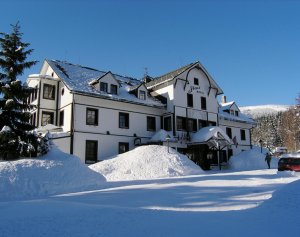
167,123
243,135
62,91
196,81
192,125
151,123
114,89
236,113
91,116
202,123
230,153
228,132
123,120
123,147
142,95
232,112
190,100
61,118
33,119
91,151
47,118
203,103
181,123
212,123
49,92
103,86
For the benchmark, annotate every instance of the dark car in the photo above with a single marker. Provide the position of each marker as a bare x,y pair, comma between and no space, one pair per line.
289,163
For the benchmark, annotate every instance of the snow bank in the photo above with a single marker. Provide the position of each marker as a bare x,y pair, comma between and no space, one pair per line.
54,173
146,162
251,160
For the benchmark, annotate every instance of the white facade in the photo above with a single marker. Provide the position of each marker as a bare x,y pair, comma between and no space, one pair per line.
103,114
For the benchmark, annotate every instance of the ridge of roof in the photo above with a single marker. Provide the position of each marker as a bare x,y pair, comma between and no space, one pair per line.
170,75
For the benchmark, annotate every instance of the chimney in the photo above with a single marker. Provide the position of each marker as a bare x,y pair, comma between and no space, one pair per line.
223,99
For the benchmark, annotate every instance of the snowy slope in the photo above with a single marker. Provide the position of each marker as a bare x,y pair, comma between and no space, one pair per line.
54,173
146,162
260,110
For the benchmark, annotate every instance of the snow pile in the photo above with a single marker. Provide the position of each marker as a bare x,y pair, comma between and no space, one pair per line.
146,162
54,173
251,160
161,136
261,110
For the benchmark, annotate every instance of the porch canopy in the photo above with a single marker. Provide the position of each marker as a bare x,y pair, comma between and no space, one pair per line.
212,136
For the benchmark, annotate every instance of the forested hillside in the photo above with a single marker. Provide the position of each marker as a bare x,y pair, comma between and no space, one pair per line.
279,128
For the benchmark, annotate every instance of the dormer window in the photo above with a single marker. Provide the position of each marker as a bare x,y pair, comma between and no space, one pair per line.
113,89
196,81
142,95
103,86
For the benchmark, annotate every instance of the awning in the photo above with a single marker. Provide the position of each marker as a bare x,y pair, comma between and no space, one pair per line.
213,136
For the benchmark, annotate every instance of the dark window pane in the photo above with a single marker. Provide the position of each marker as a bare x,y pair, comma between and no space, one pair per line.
123,147
181,123
190,100
47,118
61,118
91,116
49,92
151,123
167,124
243,135
142,95
123,120
103,86
228,132
91,151
203,103
113,89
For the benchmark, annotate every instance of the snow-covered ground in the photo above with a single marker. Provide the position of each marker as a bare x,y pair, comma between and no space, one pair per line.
260,110
54,173
261,202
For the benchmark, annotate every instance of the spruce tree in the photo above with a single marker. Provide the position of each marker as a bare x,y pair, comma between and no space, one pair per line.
15,138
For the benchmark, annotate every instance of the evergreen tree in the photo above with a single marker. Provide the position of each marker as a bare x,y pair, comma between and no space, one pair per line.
15,138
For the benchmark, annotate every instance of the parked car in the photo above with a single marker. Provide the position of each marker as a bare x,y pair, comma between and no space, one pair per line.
289,163
279,151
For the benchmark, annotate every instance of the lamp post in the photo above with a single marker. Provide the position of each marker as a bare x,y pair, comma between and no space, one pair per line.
260,143
168,139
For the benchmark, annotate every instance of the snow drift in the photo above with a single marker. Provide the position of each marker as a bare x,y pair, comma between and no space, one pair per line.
54,173
251,160
146,162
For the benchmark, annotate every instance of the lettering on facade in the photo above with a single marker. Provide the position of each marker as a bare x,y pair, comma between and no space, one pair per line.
195,89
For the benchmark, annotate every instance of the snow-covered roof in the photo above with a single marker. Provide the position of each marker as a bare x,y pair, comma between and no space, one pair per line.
161,135
78,80
211,135
175,73
226,106
242,118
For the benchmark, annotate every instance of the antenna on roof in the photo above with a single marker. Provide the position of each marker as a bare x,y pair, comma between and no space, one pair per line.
146,72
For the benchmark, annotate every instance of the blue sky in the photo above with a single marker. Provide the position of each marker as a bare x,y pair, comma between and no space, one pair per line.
251,48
